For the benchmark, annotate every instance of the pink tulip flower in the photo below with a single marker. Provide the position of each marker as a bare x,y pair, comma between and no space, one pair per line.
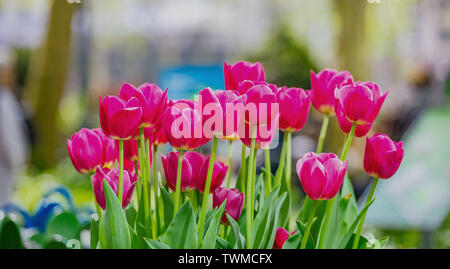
245,85
323,85
191,165
360,102
294,108
234,204
382,156
321,175
91,148
240,71
112,177
120,119
152,100
159,137
212,113
183,127
219,172
346,125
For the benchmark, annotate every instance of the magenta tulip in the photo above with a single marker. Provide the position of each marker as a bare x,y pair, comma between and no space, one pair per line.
112,177
346,125
183,127
281,236
219,172
191,165
110,150
264,135
212,113
262,104
382,156
323,85
245,85
234,204
240,71
120,119
321,175
294,108
360,102
159,137
152,100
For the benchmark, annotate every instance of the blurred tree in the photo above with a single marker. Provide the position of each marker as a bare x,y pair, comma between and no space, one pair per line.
285,60
47,79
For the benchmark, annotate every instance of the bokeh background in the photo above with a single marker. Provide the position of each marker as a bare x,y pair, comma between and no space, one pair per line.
58,57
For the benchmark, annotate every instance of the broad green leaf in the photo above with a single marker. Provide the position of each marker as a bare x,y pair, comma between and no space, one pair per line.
222,243
235,237
64,224
259,192
94,234
131,214
114,232
273,223
333,227
168,206
209,239
153,244
310,244
260,227
293,241
343,242
10,237
136,241
139,224
362,244
347,191
182,231
55,245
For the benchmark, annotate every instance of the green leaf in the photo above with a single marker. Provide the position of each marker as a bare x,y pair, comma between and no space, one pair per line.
222,243
343,242
260,225
293,241
235,238
168,206
209,239
131,215
94,234
139,224
241,179
54,244
182,230
153,244
310,244
273,224
362,244
114,232
136,241
10,237
65,224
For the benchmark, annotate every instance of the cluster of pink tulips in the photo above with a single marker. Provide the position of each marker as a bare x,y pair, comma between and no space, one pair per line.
176,210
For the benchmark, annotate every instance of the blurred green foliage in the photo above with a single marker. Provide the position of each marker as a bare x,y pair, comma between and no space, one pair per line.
286,61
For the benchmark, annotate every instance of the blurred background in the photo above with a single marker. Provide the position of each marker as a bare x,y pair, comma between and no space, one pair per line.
58,57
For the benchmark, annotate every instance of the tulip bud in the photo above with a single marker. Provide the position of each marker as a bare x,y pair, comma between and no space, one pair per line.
240,71
234,204
112,177
219,172
281,236
382,156
323,85
346,125
191,164
294,108
120,119
321,175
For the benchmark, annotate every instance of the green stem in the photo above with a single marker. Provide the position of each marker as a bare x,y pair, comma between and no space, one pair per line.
249,214
308,226
326,220
323,133
280,169
212,159
288,160
155,190
361,222
145,183
268,172
120,189
178,185
348,142
243,168
230,156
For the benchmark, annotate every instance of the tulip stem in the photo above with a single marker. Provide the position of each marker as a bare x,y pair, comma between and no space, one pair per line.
230,156
120,188
280,169
288,160
308,226
249,196
323,133
157,214
326,219
212,159
178,185
145,186
268,172
363,217
243,168
348,142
